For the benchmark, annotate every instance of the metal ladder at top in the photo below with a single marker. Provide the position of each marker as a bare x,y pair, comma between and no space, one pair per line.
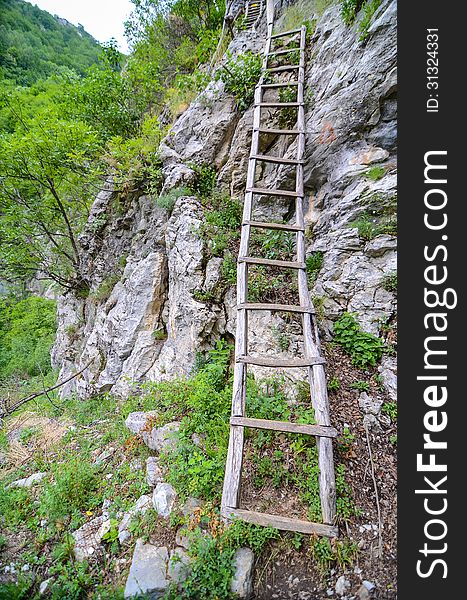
312,360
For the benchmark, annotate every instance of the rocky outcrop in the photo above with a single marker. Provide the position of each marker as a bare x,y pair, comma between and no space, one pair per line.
143,319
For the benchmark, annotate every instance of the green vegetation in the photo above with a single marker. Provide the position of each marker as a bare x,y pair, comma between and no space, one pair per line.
314,262
390,282
35,45
62,136
364,348
390,409
361,386
240,76
334,384
368,11
349,10
167,201
27,331
375,173
298,14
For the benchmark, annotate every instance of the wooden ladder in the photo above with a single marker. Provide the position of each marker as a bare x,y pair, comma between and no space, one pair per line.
253,11
312,360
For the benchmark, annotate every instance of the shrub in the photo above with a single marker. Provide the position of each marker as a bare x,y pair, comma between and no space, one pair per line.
240,76
349,10
368,10
27,332
364,348
167,201
390,282
73,490
313,262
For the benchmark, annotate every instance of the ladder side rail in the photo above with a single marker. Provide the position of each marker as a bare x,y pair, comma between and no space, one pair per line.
316,374
233,468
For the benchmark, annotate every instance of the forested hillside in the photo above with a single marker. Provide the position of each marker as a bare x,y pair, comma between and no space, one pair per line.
34,44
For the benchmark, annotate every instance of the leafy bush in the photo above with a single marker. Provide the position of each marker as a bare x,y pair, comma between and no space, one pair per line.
364,348
205,180
240,76
349,10
313,262
167,201
73,489
390,282
211,566
368,10
27,332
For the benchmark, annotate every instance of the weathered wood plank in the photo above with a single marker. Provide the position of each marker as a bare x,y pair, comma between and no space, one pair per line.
286,264
272,192
285,33
280,160
276,307
282,69
272,361
283,523
282,226
317,430
279,104
279,131
279,84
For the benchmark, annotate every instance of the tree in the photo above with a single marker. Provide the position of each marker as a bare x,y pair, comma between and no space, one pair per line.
48,177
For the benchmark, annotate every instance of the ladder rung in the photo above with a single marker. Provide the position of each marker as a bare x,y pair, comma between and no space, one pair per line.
279,104
272,361
286,264
280,84
279,131
318,430
283,68
283,523
279,52
280,160
268,192
285,33
276,307
281,226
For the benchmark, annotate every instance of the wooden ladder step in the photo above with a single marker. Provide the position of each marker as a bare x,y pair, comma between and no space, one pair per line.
279,52
285,33
283,68
269,262
272,361
283,523
278,131
281,226
279,85
273,192
280,160
276,307
285,426
279,104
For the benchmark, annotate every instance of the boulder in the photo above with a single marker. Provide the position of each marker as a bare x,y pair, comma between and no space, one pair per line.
142,505
163,499
28,481
154,474
148,571
242,581
178,565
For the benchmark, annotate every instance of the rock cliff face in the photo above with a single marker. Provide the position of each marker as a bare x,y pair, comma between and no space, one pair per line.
142,319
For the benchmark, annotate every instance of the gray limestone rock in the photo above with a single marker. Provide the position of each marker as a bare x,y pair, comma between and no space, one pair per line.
148,571
242,581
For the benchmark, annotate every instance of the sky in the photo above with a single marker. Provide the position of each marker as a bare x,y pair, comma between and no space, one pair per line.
103,19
